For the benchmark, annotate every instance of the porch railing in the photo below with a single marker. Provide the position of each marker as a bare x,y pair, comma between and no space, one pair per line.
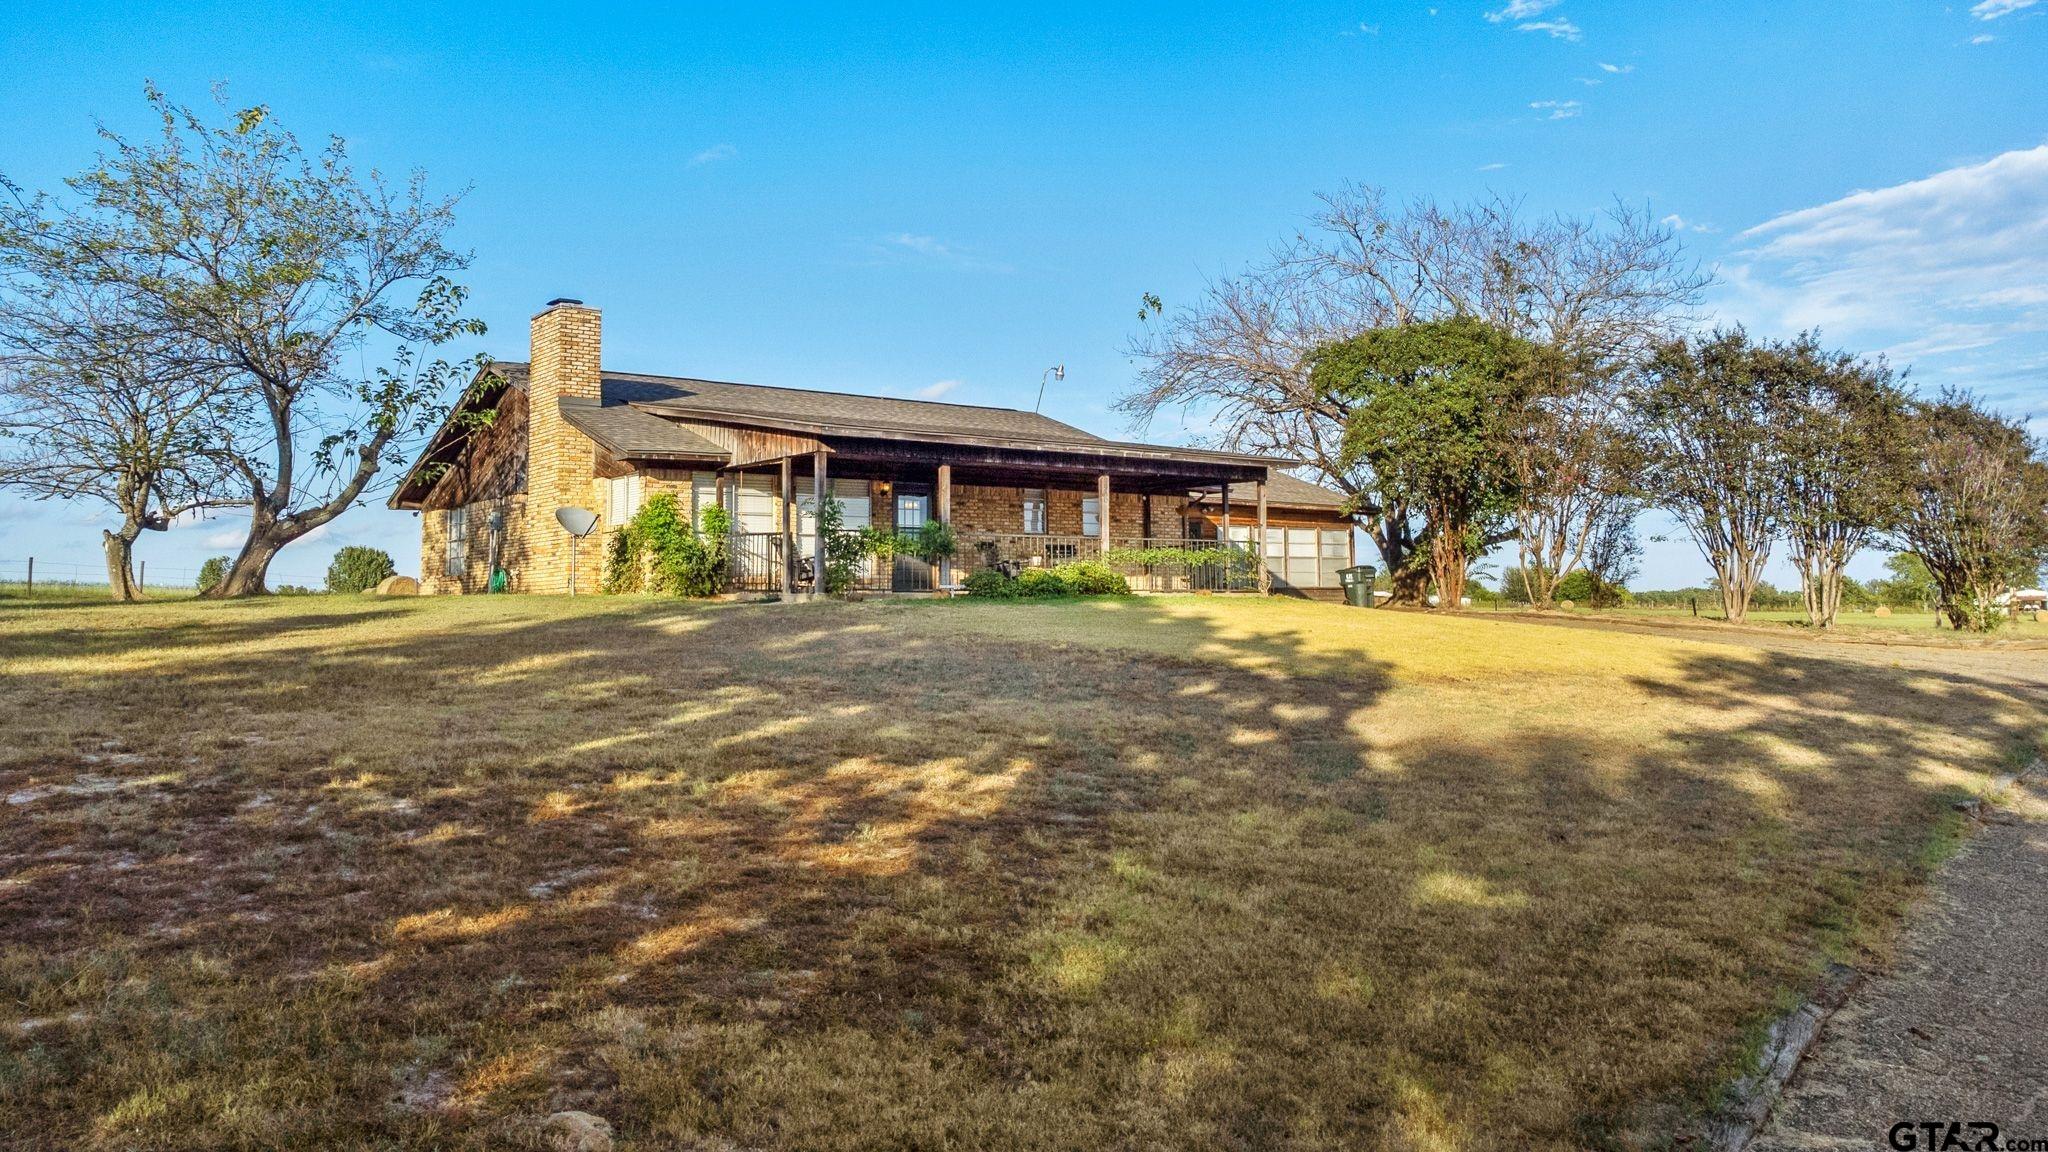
1150,563
757,563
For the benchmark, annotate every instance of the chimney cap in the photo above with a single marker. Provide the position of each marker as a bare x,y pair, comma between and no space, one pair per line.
562,300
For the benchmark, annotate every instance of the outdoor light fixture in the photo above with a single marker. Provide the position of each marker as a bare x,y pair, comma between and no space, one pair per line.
1057,372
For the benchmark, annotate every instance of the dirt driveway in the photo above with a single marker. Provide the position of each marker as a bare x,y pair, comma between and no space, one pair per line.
1958,1033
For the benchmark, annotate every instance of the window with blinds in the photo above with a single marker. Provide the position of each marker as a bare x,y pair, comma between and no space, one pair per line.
1301,557
455,557
1091,516
623,497
1034,511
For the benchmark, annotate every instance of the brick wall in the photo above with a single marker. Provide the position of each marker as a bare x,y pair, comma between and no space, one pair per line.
513,555
561,466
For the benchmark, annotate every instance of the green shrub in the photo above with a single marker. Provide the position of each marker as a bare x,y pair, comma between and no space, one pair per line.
991,584
357,568
933,542
1038,582
1088,578
213,571
844,550
1582,589
660,551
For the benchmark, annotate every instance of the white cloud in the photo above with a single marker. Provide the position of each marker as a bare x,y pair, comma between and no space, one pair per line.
1950,270
1618,69
1678,223
1982,38
937,389
911,246
1523,13
1493,167
1993,9
1559,29
922,245
1557,109
714,154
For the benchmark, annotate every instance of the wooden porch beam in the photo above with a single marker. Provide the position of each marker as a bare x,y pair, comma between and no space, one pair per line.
945,513
788,530
1265,569
820,488
1102,513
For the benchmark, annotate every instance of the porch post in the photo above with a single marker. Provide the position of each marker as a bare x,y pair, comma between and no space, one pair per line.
1102,515
1223,533
819,488
1265,569
788,531
945,512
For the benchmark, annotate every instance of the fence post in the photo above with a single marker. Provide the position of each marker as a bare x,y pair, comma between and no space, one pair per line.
31,577
141,578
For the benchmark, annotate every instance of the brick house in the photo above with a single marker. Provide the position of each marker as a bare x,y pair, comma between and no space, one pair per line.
1019,488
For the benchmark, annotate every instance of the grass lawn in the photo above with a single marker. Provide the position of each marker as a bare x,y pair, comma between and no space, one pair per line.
1160,873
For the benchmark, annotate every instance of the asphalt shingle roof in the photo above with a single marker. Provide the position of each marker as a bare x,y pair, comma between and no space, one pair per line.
629,432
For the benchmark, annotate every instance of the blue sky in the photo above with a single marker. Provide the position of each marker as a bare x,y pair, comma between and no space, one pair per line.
945,201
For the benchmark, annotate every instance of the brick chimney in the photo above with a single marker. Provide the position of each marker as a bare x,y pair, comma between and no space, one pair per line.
560,461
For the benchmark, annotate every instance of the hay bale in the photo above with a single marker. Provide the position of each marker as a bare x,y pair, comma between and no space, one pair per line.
1880,610
1566,605
398,586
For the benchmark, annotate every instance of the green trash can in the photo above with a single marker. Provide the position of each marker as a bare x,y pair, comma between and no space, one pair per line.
1357,582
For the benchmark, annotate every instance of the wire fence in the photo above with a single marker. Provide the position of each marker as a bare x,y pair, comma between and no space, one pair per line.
32,576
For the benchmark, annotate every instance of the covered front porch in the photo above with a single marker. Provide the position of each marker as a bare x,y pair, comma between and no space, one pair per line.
1039,510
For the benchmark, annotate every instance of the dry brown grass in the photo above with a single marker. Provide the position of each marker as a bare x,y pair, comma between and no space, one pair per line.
1166,873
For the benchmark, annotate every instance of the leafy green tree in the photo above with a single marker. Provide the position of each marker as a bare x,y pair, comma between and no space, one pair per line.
359,568
1842,456
1433,411
1908,584
1975,505
318,294
212,571
96,403
1709,417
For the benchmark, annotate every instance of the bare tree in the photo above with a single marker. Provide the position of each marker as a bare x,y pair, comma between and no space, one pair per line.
1708,413
1976,505
1842,459
319,294
1614,552
94,407
1597,289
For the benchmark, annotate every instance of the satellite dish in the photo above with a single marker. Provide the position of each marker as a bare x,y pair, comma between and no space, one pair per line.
576,521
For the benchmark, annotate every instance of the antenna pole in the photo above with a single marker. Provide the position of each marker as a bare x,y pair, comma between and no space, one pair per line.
1057,372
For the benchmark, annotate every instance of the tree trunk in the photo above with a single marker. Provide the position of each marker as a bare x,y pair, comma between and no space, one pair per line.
1408,584
1736,590
1820,584
251,569
1447,562
120,549
1408,580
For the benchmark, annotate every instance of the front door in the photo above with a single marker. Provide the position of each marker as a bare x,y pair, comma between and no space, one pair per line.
913,508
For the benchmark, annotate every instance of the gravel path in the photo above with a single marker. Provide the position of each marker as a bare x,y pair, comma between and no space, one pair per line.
1959,1031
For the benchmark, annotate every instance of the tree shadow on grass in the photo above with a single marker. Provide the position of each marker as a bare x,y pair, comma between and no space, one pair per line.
826,876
